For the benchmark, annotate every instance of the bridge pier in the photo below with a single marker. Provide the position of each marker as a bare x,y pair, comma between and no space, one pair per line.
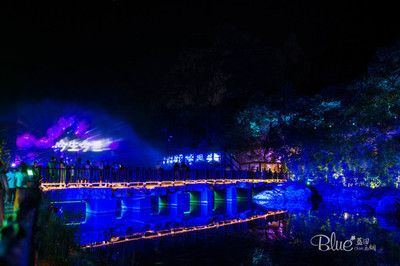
176,199
206,210
207,197
179,202
231,193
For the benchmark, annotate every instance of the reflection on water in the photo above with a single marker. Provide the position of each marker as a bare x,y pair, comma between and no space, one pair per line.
161,220
280,240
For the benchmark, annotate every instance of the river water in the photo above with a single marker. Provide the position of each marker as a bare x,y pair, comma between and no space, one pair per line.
239,233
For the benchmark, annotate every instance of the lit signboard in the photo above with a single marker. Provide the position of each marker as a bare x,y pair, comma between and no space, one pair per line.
191,158
77,145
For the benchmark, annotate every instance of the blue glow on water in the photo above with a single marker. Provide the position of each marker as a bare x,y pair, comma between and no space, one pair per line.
298,225
93,228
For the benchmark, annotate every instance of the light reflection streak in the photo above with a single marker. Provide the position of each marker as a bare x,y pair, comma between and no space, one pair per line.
175,231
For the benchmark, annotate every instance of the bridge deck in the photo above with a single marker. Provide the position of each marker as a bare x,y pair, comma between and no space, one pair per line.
153,184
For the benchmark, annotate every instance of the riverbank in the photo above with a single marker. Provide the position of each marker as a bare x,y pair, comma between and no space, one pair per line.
384,201
298,196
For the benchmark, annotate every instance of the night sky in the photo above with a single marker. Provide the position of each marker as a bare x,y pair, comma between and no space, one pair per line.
119,54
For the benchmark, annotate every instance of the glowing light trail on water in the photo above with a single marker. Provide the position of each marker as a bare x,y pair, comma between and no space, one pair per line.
176,231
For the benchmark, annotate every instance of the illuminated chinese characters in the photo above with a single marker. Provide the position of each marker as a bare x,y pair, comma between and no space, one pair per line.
76,145
193,158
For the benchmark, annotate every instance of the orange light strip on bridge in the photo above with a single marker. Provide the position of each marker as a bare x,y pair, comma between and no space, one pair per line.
176,231
154,184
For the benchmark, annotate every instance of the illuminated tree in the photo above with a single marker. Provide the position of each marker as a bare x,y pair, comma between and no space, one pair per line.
349,139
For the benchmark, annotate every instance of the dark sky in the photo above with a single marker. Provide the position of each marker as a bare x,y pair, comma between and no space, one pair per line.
119,53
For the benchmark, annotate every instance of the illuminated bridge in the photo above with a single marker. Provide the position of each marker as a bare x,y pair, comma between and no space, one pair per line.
106,192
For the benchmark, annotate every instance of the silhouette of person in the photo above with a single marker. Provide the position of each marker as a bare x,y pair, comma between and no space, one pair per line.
176,171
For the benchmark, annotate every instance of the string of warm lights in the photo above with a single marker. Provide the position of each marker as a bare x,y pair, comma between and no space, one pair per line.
175,231
153,184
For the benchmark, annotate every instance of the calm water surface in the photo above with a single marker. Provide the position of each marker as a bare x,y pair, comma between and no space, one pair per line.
279,240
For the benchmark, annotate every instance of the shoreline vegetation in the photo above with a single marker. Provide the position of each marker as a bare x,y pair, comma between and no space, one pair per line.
296,195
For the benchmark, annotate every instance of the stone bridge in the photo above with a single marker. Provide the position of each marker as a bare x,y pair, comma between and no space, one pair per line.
102,198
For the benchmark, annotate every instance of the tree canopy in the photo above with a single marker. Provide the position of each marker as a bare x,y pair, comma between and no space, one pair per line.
351,137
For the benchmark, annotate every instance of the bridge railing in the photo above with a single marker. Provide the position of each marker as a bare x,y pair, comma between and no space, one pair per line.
113,175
